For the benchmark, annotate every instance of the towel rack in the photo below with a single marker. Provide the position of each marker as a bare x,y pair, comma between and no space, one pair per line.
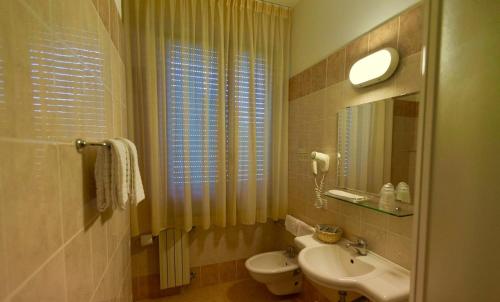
80,143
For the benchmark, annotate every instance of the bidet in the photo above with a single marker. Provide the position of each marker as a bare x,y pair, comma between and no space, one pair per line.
279,272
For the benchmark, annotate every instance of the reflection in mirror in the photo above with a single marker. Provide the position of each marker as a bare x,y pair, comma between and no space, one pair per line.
3,105
376,144
68,85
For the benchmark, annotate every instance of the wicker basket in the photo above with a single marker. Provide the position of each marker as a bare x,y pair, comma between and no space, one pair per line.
328,233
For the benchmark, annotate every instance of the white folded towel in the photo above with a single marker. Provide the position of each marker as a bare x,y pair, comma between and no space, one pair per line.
102,174
117,175
136,189
120,173
297,227
345,195
291,225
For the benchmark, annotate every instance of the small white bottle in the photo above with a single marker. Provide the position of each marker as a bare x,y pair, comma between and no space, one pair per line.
387,197
403,192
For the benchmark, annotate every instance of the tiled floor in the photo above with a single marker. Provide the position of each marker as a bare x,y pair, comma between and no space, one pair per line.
238,291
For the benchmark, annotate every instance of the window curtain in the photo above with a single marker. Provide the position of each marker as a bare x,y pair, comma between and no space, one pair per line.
208,105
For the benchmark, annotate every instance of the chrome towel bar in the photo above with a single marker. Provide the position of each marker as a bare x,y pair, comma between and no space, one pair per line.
80,143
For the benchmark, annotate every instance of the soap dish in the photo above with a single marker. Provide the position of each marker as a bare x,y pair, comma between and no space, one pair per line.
328,233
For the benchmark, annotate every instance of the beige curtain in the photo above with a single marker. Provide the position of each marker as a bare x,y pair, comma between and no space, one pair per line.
208,95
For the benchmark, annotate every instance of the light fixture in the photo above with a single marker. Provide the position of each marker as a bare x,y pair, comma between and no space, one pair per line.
374,68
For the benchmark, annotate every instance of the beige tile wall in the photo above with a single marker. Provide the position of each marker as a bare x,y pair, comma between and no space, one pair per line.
61,77
148,286
218,245
316,95
212,253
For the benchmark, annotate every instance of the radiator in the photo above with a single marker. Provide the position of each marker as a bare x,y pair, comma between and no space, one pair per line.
174,258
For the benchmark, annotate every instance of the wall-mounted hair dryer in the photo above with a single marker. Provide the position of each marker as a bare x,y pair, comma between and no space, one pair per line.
321,161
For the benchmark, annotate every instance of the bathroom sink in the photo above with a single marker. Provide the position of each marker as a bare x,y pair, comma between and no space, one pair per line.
334,262
334,267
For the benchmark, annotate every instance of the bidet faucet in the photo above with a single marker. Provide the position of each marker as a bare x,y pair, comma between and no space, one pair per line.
290,252
359,246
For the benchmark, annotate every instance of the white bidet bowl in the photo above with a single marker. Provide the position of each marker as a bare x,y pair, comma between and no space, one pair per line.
279,273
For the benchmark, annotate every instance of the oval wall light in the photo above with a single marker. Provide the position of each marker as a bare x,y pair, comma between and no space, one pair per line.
374,68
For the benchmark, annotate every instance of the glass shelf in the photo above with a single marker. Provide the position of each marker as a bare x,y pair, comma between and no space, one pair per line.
371,202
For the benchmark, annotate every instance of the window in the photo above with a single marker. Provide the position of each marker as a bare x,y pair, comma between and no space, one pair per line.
242,77
193,76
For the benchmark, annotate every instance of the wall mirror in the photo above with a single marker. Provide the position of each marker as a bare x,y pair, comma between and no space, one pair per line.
376,144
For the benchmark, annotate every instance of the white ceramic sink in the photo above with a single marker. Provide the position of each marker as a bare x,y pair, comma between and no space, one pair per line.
336,267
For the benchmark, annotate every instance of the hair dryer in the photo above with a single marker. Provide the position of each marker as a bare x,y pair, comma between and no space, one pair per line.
320,160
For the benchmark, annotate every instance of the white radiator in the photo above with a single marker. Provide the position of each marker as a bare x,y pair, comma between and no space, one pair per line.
174,258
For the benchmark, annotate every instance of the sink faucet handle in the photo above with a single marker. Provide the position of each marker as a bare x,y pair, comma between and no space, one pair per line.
361,241
359,245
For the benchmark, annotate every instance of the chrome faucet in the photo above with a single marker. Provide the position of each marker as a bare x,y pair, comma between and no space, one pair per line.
359,246
290,252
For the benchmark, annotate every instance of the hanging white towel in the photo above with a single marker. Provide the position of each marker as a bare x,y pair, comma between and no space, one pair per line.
304,229
120,173
297,227
102,174
136,189
291,225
